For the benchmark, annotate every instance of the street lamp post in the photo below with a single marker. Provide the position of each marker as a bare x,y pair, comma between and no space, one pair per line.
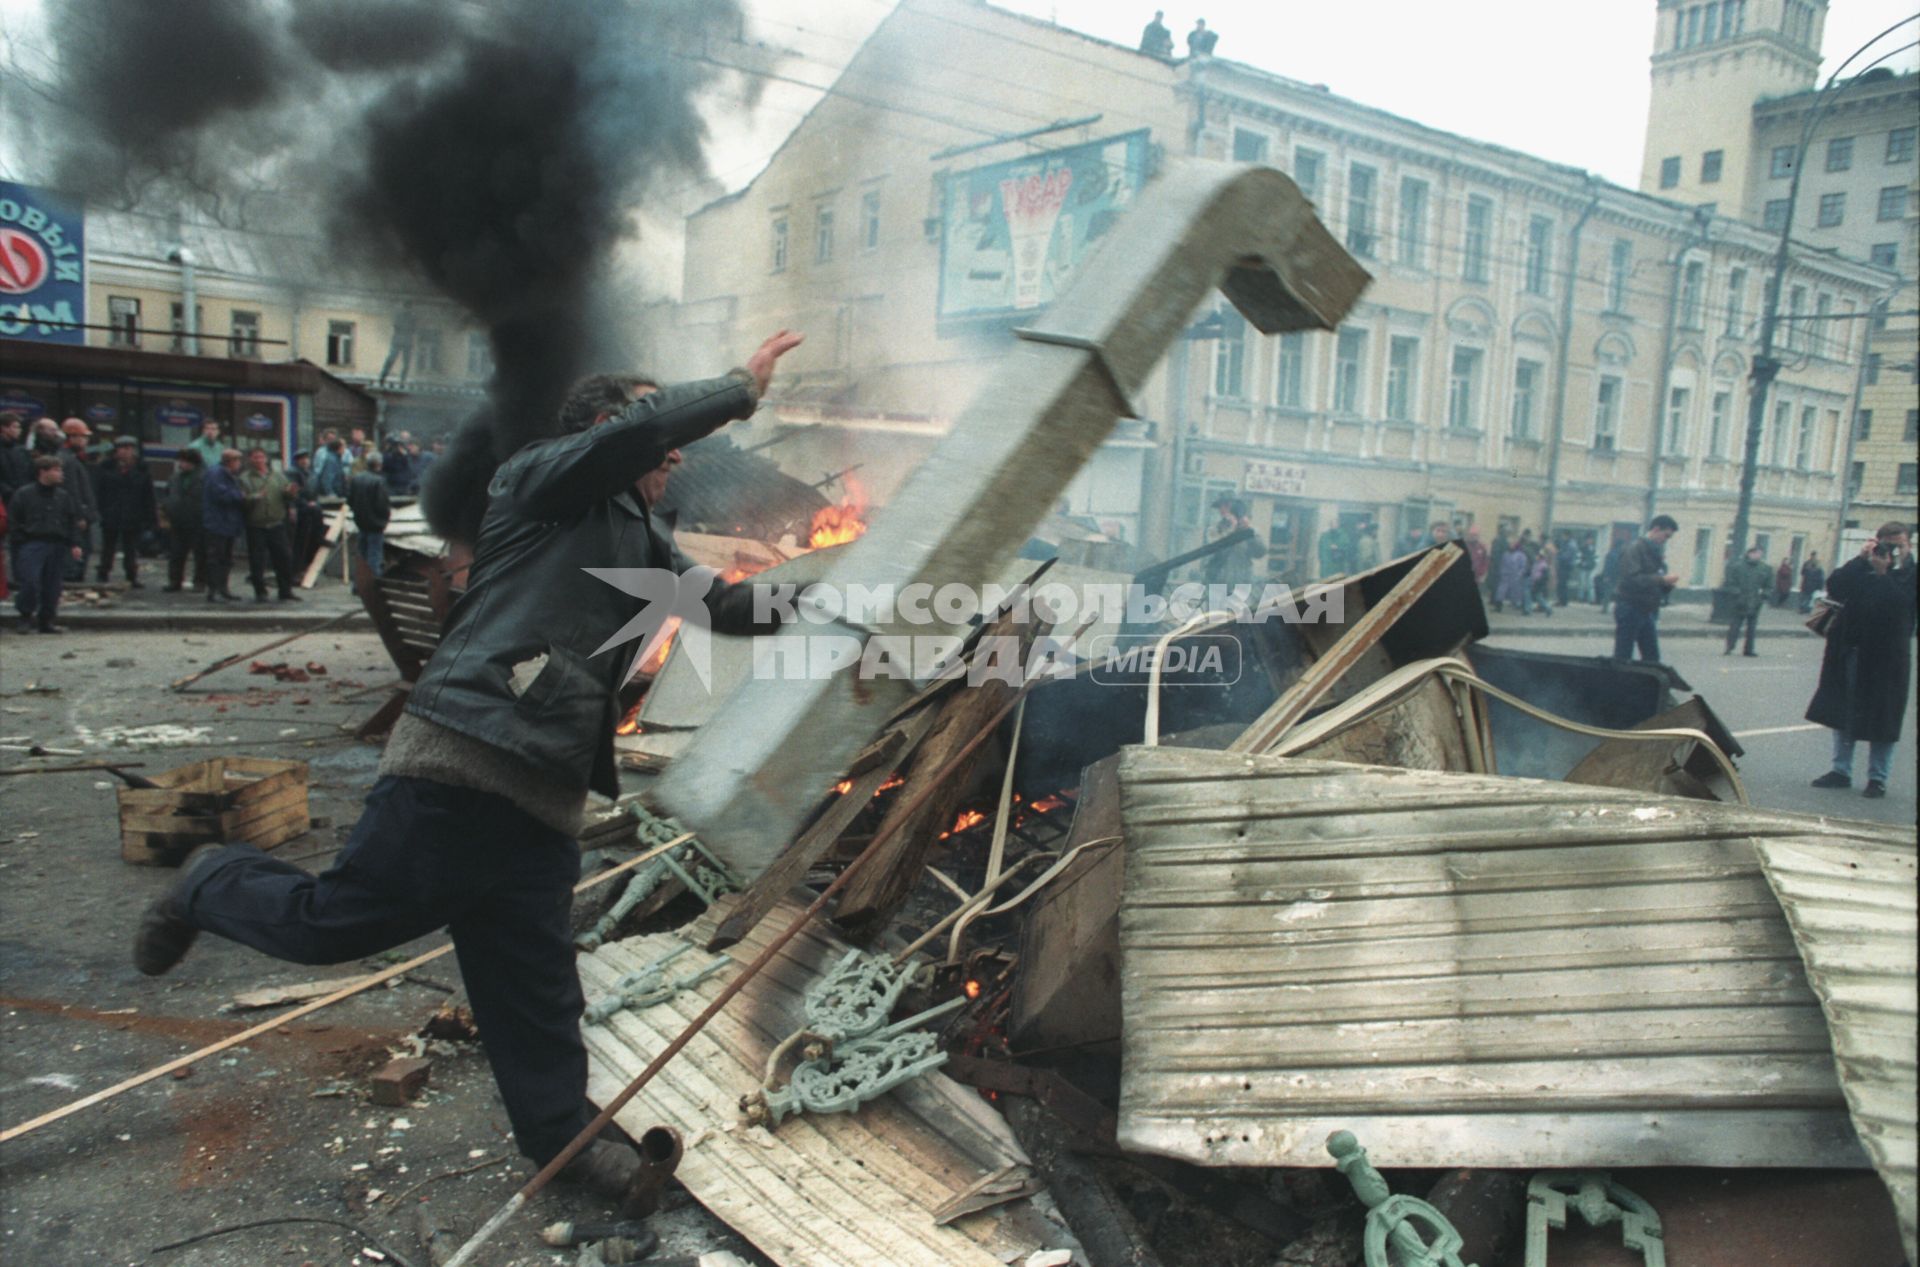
1766,366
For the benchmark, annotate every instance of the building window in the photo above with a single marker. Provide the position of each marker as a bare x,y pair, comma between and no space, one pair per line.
1856,476
1907,483
1539,254
1413,222
1711,164
177,322
1349,358
1693,294
1900,143
1885,254
1782,161
1362,185
427,358
1310,173
1774,216
340,343
1840,154
245,334
1606,414
870,220
1893,202
1526,386
1736,302
1782,423
780,245
1863,424
1676,441
1693,25
1803,442
1833,209
1463,389
1473,265
1230,356
1290,384
1873,369
123,315
1717,424
1670,172
1249,147
823,236
1822,327
1796,326
1619,268
1913,426
479,356
1702,555
1403,376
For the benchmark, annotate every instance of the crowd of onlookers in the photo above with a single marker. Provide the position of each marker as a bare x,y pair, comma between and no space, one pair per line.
67,501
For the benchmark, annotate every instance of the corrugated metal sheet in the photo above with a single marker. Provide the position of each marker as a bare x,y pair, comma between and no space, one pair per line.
1852,908
1466,970
824,1190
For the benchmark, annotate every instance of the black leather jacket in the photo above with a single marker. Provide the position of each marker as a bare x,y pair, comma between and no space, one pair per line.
555,509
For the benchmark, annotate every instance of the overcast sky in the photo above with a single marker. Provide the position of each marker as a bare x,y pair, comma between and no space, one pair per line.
1562,79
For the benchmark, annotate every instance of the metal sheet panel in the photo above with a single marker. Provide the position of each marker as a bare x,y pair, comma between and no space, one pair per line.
1466,970
1852,908
823,1190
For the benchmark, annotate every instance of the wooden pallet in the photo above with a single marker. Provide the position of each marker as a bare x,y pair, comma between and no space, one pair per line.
221,801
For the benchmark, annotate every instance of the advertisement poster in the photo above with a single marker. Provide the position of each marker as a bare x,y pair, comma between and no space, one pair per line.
1013,232
43,283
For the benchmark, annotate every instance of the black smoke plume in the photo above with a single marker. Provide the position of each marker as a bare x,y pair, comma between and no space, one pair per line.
495,150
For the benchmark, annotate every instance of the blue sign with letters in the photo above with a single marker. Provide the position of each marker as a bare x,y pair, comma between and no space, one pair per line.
43,266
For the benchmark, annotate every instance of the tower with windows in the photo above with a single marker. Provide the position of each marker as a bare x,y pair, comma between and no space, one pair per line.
1712,60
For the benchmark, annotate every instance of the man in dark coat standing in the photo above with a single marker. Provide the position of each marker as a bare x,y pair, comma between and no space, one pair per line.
184,514
1863,677
1748,580
124,488
223,521
44,518
1640,590
1812,577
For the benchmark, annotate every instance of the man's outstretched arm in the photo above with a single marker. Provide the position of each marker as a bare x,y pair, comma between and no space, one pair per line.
555,479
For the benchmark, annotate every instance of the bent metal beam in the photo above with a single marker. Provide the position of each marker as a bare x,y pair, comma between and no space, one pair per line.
754,772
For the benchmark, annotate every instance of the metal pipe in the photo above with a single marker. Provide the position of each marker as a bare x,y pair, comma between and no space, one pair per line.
660,1153
1560,371
189,301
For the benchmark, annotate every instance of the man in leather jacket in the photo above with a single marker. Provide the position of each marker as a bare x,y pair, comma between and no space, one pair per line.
483,785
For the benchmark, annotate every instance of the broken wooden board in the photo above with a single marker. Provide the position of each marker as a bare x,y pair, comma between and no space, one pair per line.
1852,908
1465,970
751,777
825,1189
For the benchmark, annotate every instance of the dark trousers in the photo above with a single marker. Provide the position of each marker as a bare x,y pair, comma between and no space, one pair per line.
1636,626
1733,631
186,541
219,563
269,543
118,538
41,576
424,856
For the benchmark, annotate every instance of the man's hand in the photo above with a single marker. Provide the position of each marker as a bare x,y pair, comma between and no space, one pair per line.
1670,580
760,364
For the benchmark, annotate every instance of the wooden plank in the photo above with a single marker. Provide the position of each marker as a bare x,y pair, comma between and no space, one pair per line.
336,534
742,912
1360,637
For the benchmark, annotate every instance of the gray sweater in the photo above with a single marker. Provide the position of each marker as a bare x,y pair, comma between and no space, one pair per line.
422,749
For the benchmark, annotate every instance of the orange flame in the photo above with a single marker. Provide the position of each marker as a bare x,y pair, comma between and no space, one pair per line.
843,787
968,820
973,989
837,525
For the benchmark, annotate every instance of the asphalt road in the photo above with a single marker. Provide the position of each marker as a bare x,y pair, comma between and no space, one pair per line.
1763,701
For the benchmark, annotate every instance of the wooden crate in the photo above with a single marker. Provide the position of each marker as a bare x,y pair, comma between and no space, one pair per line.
222,801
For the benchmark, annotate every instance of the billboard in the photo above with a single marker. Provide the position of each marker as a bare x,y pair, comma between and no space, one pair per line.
1013,232
43,266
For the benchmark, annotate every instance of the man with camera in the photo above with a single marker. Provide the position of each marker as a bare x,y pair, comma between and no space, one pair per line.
1863,676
